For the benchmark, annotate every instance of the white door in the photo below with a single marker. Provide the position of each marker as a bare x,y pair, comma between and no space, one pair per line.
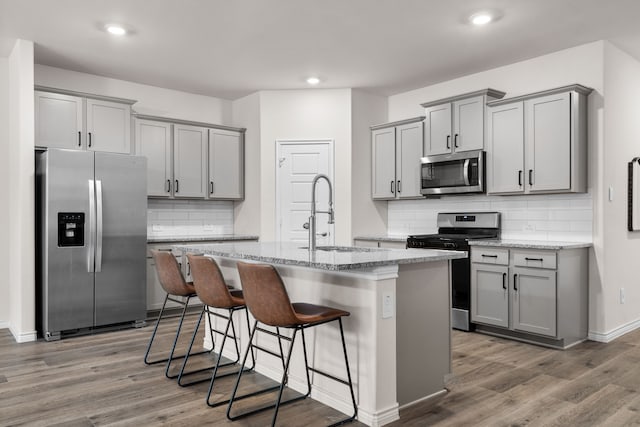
153,140
383,181
505,150
408,153
437,130
108,126
189,161
298,162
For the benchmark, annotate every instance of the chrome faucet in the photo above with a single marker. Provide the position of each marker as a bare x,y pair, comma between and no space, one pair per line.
311,225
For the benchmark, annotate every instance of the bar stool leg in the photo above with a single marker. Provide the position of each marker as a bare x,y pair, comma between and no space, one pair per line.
346,362
153,335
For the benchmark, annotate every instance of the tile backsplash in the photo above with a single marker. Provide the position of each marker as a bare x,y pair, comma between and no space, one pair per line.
561,217
176,218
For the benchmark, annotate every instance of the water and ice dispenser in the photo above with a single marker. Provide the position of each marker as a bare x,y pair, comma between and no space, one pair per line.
70,229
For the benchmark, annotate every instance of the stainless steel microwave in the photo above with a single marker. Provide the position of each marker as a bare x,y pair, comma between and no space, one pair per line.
455,173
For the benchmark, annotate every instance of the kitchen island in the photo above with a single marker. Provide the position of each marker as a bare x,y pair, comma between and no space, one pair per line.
398,335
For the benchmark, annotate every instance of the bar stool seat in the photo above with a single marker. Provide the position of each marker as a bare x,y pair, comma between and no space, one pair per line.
269,303
173,283
214,293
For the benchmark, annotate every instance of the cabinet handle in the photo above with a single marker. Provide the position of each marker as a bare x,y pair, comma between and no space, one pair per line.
455,140
399,187
530,176
188,268
79,139
515,282
177,186
533,259
89,139
520,178
393,190
168,186
448,141
504,281
489,256
211,187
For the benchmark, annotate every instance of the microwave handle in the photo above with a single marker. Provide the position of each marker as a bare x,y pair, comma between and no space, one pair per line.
465,172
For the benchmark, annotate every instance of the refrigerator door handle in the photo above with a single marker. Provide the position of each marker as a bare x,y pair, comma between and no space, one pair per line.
98,226
92,227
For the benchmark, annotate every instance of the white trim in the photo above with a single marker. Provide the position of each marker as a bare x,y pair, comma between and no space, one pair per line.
4,325
380,418
22,337
332,153
614,333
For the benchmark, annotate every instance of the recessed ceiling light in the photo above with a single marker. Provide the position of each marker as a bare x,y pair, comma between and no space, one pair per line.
116,30
313,81
481,18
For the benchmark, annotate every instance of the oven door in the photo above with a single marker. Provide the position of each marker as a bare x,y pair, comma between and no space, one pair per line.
453,173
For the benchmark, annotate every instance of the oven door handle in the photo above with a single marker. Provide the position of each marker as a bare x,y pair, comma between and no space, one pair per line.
465,172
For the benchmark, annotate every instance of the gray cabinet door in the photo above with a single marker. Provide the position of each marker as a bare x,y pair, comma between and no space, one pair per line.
384,165
408,152
58,120
534,301
505,150
548,141
437,130
468,124
226,165
108,126
490,294
153,141
189,161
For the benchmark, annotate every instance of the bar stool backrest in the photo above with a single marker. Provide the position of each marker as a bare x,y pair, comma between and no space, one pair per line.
209,282
170,275
265,295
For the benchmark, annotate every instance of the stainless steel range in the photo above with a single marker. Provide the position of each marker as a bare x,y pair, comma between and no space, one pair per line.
455,229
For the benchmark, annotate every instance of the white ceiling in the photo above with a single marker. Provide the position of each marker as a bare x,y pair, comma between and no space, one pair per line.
230,48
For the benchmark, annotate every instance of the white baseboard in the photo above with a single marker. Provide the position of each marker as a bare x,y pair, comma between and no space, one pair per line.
614,333
4,325
22,337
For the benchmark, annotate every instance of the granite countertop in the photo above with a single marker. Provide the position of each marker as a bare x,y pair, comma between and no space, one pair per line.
530,244
200,238
384,238
291,253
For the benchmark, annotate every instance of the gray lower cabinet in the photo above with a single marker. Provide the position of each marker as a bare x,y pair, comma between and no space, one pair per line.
530,294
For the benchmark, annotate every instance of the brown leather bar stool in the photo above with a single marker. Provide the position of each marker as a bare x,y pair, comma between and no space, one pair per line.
268,301
214,293
173,283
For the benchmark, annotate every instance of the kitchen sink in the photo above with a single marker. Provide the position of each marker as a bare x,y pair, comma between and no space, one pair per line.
343,249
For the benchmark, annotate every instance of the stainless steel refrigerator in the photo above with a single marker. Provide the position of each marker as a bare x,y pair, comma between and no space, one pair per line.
92,235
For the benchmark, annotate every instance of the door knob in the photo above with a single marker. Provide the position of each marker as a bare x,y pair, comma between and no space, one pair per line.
305,225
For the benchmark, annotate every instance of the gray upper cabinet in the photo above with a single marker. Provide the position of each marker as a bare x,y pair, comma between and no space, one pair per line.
396,152
189,161
538,143
73,120
153,140
58,120
226,164
108,126
456,124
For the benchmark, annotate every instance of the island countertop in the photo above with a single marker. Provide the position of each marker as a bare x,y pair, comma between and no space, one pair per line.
340,259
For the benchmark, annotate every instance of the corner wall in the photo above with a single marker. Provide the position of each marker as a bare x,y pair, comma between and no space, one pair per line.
4,191
21,198
368,217
306,114
621,248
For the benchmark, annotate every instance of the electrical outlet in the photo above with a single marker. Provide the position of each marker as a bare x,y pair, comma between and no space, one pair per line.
387,305
621,295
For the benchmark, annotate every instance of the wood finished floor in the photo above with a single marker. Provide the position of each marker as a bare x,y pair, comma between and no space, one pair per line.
100,380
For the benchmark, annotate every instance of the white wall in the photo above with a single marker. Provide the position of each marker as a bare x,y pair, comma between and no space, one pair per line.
246,113
21,200
306,114
368,217
4,192
622,143
583,64
152,100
